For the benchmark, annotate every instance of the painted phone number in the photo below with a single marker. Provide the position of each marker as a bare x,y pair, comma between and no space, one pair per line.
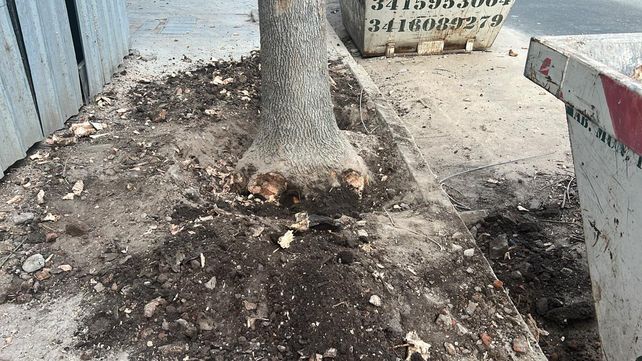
421,24
434,4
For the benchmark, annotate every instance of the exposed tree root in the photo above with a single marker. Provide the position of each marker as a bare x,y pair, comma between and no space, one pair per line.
272,177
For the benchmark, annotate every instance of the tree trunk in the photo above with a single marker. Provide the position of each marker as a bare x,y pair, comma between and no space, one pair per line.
298,144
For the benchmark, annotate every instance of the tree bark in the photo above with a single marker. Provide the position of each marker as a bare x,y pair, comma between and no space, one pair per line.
298,143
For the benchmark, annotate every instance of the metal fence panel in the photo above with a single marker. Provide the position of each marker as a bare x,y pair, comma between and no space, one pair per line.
19,124
105,35
52,61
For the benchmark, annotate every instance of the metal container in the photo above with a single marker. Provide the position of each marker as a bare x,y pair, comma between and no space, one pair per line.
387,27
593,76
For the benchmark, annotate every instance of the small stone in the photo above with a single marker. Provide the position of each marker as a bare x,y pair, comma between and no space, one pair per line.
43,274
150,344
172,349
189,329
165,325
376,301
281,348
362,234
534,204
99,287
51,237
498,284
151,306
195,264
457,248
34,263
76,229
330,353
458,236
470,270
450,348
445,320
211,284
40,197
520,344
23,218
471,308
485,339
469,252
461,330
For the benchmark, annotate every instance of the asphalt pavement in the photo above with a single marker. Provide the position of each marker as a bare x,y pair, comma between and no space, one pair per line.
572,17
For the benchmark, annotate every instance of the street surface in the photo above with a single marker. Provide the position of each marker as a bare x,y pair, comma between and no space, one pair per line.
554,17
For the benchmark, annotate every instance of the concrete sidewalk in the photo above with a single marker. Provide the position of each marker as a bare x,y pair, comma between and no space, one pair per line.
165,31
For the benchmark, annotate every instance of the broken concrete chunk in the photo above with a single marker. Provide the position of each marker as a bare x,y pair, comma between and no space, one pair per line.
286,240
302,222
211,284
375,301
417,346
151,306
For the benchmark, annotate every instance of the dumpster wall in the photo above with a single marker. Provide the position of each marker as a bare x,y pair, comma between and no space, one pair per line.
70,49
423,26
604,111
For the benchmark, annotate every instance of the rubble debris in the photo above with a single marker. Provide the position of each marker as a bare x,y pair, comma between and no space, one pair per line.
78,188
302,222
22,218
81,130
40,197
417,346
211,284
286,240
375,301
151,306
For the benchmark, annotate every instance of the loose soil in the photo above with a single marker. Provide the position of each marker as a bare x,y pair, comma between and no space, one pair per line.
544,266
170,262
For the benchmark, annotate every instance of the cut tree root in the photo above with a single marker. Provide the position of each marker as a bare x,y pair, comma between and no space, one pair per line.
272,186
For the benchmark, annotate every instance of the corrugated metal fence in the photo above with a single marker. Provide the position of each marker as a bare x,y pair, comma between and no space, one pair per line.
54,54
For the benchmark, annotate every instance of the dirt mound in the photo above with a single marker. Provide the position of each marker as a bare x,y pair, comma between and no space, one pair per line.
536,248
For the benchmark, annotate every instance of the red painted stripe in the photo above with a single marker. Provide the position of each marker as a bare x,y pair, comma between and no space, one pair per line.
625,107
546,66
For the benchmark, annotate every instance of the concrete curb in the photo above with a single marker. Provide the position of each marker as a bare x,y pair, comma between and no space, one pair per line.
428,188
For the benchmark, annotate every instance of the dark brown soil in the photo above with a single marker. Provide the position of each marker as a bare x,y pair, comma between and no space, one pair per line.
546,270
267,302
169,261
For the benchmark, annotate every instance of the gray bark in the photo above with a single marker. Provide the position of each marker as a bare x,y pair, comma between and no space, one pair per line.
297,133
